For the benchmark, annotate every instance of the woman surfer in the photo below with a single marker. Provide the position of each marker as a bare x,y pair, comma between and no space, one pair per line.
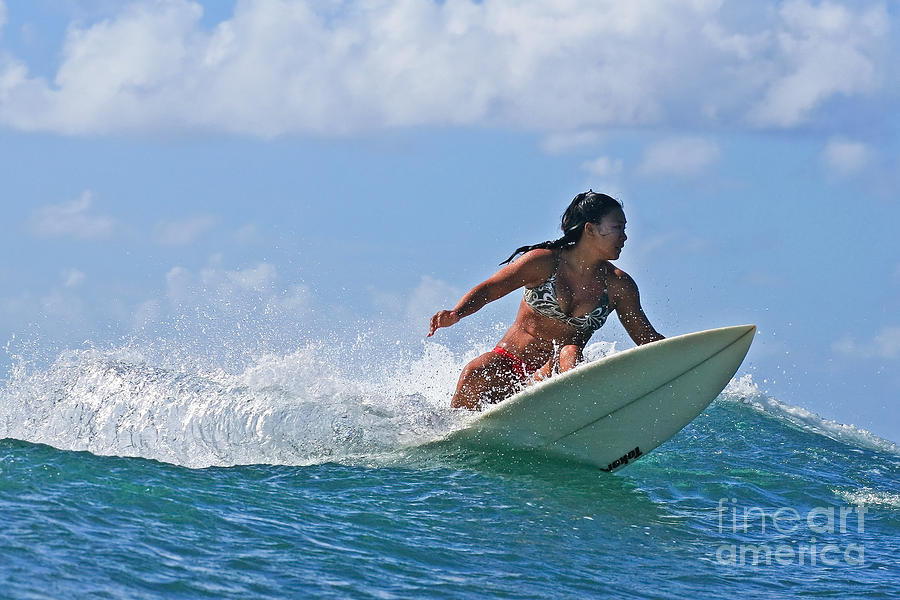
566,277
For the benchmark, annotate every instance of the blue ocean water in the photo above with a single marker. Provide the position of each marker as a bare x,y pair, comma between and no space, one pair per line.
123,476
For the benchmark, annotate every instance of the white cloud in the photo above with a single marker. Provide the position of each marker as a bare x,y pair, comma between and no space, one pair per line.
430,296
557,143
679,156
183,232
258,278
72,219
824,50
603,166
72,278
222,287
235,309
146,314
63,306
845,157
334,68
295,297
179,283
248,234
885,345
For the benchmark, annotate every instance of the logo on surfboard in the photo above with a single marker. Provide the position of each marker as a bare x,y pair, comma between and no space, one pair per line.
624,459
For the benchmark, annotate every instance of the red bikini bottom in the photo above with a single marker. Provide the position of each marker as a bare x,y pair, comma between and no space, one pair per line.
515,363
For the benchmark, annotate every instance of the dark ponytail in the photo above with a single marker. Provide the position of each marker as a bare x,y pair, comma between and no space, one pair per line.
587,207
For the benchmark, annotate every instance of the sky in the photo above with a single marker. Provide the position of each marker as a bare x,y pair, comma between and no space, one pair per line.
256,175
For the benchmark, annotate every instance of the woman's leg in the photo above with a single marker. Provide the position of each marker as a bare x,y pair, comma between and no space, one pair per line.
488,378
569,357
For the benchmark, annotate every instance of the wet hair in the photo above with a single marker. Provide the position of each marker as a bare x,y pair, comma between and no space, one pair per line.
586,207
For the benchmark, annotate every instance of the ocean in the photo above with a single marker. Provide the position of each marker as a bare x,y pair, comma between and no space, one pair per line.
126,474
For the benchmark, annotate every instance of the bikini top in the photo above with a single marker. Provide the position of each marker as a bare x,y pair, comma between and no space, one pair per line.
544,301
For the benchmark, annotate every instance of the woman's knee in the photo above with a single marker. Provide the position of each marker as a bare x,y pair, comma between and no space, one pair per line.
473,378
569,357
483,379
570,351
475,370
481,376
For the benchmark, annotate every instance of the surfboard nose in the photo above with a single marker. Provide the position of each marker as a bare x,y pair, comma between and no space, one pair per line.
749,331
744,335
738,331
735,332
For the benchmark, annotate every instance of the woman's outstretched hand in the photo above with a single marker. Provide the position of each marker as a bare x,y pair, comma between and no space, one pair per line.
444,318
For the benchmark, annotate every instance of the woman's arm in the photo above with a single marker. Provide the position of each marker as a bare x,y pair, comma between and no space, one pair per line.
631,315
530,269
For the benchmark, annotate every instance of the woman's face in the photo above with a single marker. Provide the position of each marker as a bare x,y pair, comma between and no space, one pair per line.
610,233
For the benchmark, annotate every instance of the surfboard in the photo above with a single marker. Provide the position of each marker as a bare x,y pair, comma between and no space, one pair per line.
611,411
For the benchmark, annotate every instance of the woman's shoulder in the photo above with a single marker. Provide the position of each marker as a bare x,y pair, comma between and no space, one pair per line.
540,255
536,266
619,279
617,273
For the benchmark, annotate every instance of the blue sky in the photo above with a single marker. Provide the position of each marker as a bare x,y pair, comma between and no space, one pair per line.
265,173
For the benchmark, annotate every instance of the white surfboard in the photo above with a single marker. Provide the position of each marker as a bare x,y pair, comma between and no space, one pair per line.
614,410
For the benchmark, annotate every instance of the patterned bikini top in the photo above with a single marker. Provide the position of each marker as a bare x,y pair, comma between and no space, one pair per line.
544,301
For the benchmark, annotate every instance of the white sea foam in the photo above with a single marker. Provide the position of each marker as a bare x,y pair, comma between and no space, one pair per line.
869,497
743,389
294,409
599,350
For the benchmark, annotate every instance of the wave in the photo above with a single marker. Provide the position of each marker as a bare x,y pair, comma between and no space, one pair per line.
295,409
306,407
745,391
869,497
